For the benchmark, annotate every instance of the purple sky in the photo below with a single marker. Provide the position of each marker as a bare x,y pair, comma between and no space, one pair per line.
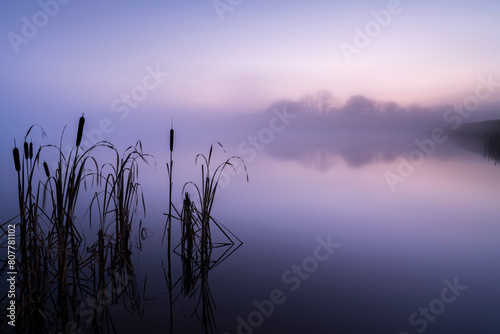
90,53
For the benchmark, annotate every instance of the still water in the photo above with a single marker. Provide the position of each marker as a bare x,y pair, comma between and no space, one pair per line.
328,247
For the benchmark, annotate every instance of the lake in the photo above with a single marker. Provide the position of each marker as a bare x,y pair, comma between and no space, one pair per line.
328,245
394,253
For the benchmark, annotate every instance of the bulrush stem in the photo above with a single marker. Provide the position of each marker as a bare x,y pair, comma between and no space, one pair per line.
22,216
170,166
169,223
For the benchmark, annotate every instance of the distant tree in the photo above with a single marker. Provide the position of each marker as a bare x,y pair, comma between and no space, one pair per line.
320,103
360,104
325,101
390,107
308,103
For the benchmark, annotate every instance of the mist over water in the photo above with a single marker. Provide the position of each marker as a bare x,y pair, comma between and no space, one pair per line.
317,175
370,132
351,134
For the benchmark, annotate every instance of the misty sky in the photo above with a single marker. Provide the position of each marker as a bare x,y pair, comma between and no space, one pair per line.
237,58
134,65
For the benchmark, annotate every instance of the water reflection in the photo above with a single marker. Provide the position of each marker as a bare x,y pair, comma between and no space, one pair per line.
203,246
322,153
492,147
380,133
82,305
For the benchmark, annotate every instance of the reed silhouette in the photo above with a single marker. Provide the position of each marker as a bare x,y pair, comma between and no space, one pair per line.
197,262
67,280
198,245
55,269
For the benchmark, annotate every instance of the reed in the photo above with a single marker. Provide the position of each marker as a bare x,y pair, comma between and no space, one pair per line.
197,262
33,258
168,225
79,135
55,268
197,245
170,166
208,189
64,188
121,199
17,160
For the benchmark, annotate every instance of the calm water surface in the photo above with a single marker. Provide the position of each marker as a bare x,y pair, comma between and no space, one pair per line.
424,258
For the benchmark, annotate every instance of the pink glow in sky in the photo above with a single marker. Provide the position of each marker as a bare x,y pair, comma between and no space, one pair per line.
90,53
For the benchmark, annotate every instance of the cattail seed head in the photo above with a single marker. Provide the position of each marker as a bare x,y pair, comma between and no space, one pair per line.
46,168
80,131
171,140
31,151
26,150
17,161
